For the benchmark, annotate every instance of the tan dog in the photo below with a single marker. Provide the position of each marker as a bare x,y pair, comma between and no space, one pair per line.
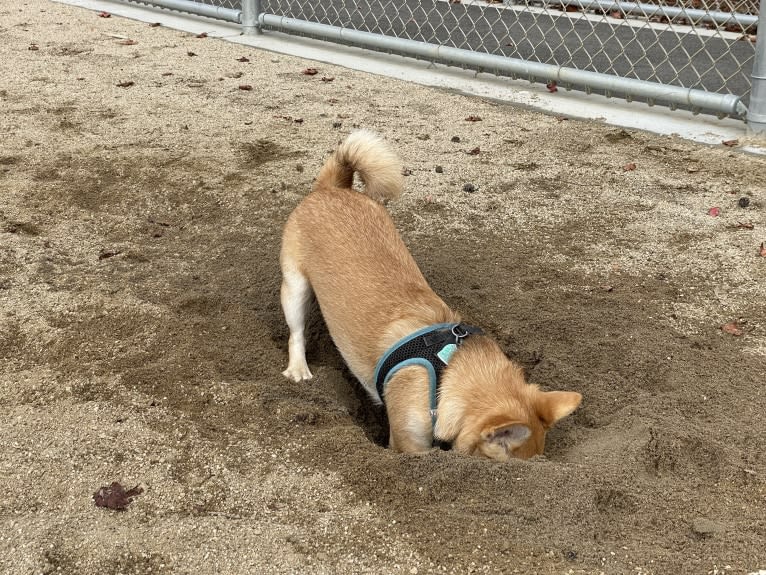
344,246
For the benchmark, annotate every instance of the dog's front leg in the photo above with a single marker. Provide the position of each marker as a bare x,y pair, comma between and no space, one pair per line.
408,406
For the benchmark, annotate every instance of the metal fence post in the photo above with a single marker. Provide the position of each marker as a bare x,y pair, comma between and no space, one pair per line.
756,111
251,10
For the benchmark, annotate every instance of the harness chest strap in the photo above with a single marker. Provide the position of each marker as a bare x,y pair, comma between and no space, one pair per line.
430,347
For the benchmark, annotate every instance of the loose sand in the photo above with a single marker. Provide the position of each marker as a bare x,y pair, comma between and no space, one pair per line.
141,338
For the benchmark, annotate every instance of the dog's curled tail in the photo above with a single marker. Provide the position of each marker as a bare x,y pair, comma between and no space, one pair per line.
366,153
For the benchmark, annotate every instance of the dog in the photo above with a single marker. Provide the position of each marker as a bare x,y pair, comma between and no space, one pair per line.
342,245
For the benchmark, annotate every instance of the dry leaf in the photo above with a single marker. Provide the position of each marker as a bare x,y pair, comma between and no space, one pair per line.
732,328
107,253
326,79
201,35
245,87
243,59
616,14
476,151
762,251
33,47
104,15
552,87
629,167
155,25
473,119
310,72
743,226
715,212
127,84
127,42
730,143
115,496
190,53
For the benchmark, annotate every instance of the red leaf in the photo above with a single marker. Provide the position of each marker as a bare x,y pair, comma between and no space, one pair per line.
552,87
115,496
104,15
730,143
762,251
310,72
473,119
629,167
616,14
732,328
715,212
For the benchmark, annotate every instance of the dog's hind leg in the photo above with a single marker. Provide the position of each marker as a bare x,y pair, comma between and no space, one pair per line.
295,295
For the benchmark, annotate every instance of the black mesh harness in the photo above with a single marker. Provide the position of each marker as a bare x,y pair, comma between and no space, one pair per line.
430,347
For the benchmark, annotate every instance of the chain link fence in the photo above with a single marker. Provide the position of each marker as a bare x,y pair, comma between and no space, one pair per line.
694,54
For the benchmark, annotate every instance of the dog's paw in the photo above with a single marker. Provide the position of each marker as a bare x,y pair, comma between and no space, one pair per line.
297,373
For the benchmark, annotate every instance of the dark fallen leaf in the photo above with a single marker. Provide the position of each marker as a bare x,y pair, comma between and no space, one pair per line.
106,254
455,139
552,87
743,226
743,202
326,79
629,167
455,1
127,84
167,73
562,119
190,53
332,101
298,120
732,328
115,496
571,8
104,15
155,25
616,14
473,119
310,72
243,59
201,35
474,152
127,42
730,143
33,47
406,172
245,87
469,188
715,212
337,125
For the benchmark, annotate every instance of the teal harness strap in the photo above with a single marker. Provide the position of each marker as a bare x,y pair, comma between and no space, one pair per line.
431,348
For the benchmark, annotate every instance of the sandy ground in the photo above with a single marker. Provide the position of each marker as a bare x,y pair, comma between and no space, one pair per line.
141,338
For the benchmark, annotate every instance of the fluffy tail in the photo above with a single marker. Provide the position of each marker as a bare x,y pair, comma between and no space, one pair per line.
376,163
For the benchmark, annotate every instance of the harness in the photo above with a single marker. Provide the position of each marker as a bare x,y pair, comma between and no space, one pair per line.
430,347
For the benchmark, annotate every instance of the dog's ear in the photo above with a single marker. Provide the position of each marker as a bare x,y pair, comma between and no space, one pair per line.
554,405
508,435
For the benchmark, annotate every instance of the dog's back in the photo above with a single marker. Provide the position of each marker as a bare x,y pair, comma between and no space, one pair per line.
344,242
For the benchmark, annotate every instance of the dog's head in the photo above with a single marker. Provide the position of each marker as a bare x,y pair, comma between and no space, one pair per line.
493,412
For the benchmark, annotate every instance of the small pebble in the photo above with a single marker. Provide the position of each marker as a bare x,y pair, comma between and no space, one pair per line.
470,188
439,170
744,202
456,139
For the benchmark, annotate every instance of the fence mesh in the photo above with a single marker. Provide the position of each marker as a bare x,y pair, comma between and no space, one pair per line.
703,44
596,36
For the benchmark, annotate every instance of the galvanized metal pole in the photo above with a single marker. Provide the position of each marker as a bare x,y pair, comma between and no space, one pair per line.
251,9
756,111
